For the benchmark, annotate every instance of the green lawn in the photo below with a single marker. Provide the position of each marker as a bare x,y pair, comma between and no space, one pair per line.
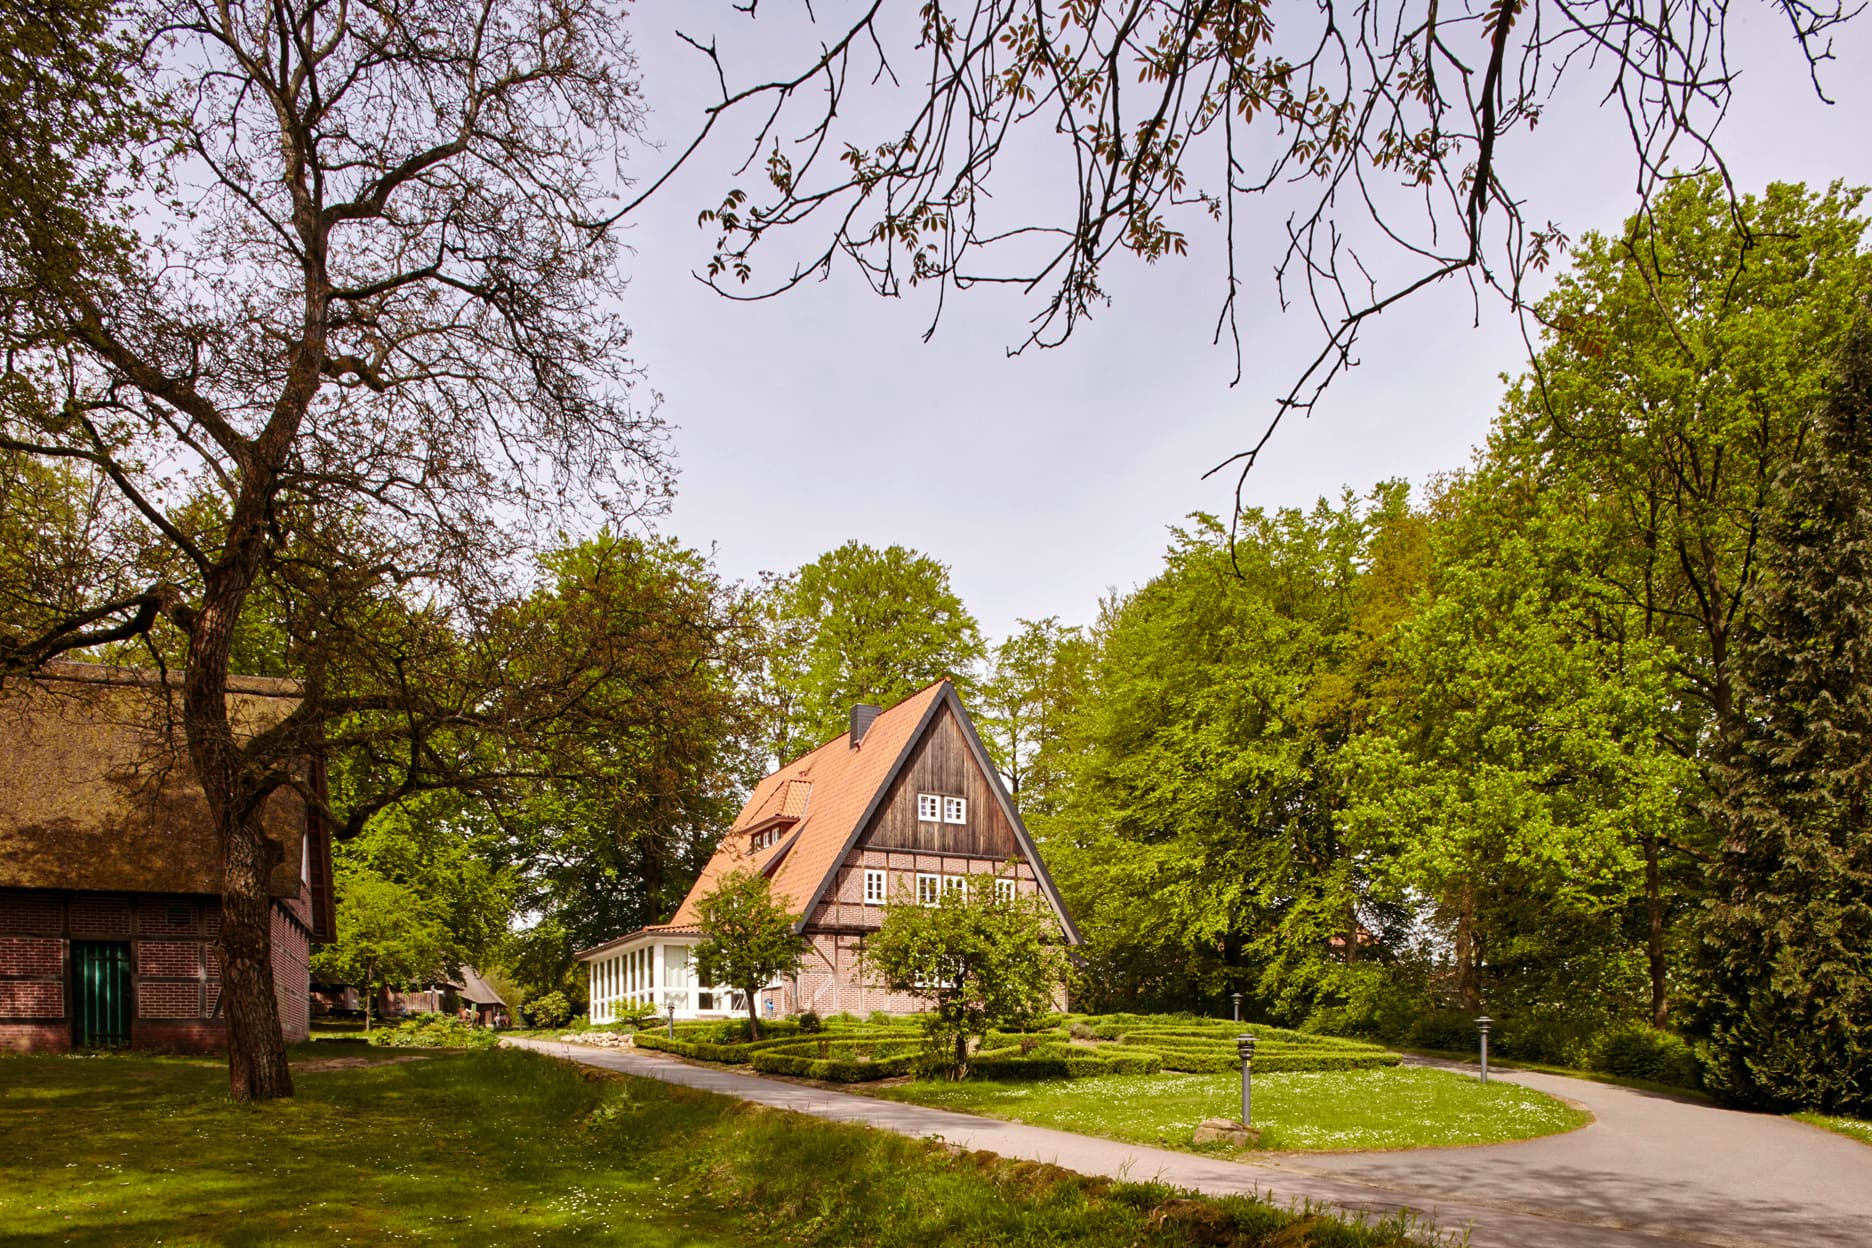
1399,1107
1861,1131
510,1148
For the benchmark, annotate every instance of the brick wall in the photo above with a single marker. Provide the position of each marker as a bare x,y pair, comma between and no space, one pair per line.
292,976
175,969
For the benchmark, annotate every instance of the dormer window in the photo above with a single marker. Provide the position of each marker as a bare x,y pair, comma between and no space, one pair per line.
765,838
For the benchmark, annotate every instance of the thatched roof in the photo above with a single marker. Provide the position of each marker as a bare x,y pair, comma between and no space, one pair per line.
96,791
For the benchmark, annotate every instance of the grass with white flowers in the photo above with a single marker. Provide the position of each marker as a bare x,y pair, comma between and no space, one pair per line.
1398,1107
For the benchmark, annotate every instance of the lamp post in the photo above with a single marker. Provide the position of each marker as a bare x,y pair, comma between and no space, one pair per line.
669,1013
1244,1045
1482,1025
1236,997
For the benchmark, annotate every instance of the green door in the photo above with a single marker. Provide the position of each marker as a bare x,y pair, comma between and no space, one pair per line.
100,993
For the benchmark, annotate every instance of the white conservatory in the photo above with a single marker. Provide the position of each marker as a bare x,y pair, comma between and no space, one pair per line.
654,967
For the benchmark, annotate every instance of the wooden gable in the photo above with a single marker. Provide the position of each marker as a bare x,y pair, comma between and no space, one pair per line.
942,763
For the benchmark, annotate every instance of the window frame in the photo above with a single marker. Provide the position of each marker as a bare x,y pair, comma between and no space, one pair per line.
932,802
873,875
955,884
935,888
959,805
1006,888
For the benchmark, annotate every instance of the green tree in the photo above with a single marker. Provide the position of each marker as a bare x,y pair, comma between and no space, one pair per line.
748,939
372,334
1680,366
1786,1007
983,960
1514,762
856,625
1198,848
1036,680
389,934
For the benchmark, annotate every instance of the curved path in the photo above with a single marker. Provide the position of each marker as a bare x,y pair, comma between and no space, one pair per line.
1652,1171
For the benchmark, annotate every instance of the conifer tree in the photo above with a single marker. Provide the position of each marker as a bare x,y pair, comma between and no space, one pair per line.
1787,941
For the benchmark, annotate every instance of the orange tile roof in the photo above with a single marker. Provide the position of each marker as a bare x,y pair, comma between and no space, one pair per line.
831,789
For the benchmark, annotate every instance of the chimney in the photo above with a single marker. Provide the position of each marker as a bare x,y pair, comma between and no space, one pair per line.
862,715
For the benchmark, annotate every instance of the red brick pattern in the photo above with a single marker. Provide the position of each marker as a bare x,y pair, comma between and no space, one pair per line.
31,914
32,998
34,956
292,980
99,918
169,999
170,959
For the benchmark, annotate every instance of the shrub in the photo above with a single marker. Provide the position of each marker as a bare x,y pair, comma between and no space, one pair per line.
811,1022
1450,1030
1647,1053
434,1031
549,1009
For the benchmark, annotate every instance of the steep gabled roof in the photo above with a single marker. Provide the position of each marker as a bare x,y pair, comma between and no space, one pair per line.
836,789
846,781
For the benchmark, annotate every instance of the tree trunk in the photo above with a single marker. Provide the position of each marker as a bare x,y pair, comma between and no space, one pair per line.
753,1016
961,1055
370,991
257,1068
1468,987
1654,937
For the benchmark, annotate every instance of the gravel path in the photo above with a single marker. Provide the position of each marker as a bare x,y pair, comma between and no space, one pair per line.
1651,1171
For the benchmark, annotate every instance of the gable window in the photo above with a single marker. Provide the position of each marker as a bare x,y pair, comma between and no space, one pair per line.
955,884
929,808
1004,889
955,810
927,887
874,888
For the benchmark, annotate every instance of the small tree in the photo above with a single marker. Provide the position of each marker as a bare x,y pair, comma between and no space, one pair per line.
982,959
748,938
387,933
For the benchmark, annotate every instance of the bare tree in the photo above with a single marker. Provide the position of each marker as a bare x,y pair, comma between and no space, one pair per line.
1378,127
337,330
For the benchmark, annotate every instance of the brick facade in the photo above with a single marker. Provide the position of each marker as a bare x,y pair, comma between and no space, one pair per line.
175,983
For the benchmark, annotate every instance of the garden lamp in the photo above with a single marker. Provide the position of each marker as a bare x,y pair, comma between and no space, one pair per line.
1244,1045
1482,1026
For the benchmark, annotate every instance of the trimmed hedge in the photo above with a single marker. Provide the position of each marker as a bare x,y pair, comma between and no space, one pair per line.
703,1051
836,1069
1060,1061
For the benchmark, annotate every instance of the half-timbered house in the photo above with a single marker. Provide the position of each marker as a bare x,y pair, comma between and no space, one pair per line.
902,806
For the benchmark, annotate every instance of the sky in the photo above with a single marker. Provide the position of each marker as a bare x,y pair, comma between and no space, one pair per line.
1049,480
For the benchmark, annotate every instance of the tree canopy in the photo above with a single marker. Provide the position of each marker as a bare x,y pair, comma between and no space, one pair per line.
748,939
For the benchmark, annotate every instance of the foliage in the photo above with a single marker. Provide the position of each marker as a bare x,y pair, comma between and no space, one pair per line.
748,939
554,1155
1649,1054
1037,678
981,959
390,934
434,1031
549,1009
1198,846
626,807
1786,1007
325,348
858,625
809,1022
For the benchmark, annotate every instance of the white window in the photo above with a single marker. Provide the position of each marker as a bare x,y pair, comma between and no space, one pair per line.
929,808
874,888
927,886
955,810
955,884
1004,889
